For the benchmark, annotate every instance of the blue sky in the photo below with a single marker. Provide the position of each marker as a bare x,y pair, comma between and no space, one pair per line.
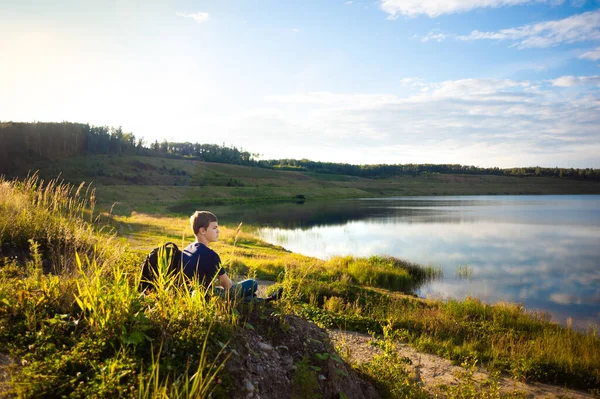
479,82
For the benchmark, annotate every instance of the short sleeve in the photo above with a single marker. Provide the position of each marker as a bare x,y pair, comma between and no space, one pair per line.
222,270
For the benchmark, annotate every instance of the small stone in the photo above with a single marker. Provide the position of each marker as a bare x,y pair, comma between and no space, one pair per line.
248,385
264,346
288,360
322,377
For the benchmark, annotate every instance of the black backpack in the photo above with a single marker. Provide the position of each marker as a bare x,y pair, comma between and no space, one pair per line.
168,257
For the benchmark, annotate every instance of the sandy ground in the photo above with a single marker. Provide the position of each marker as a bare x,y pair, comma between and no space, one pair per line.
434,371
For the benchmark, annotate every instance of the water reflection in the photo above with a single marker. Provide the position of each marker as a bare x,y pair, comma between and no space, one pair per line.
541,251
547,210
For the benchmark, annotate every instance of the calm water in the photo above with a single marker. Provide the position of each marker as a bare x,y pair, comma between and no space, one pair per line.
542,251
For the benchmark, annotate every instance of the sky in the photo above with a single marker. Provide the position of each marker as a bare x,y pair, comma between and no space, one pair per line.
475,82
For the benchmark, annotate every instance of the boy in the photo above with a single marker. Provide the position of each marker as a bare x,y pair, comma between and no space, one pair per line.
201,262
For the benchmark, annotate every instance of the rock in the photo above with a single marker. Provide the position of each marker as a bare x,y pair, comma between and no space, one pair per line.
288,362
265,346
248,385
268,358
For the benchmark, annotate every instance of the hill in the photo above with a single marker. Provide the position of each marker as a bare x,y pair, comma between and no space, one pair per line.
74,324
158,185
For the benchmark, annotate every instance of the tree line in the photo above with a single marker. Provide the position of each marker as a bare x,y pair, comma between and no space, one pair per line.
22,143
385,170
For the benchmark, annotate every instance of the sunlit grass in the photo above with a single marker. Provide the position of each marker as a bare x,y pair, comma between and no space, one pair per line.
84,330
179,185
55,215
504,336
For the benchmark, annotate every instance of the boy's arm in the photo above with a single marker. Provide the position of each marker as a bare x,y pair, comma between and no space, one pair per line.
225,281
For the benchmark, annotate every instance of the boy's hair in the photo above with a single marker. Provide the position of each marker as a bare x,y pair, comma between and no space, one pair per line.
201,219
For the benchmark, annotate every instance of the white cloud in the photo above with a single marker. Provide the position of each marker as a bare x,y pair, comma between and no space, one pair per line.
466,88
564,299
413,82
324,98
295,30
569,299
569,81
435,8
577,28
487,122
438,37
199,17
593,55
577,3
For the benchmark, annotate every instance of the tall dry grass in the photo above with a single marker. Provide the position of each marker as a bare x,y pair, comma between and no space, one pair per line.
58,217
72,312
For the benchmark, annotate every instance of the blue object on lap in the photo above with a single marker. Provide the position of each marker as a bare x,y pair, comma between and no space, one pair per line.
243,289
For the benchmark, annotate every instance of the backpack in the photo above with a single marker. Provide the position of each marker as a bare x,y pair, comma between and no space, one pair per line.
167,257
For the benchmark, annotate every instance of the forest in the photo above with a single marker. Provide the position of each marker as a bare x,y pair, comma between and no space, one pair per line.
23,143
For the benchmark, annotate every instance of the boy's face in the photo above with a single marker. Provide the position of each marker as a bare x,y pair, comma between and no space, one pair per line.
211,233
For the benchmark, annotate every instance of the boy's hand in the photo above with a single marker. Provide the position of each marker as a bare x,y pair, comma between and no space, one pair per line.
225,281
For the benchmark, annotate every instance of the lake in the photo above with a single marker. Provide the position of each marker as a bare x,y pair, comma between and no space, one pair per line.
541,251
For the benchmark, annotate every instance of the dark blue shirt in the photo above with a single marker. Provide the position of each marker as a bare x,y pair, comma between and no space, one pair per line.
202,263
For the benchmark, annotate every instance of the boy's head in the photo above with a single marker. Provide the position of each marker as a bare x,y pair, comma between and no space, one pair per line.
201,219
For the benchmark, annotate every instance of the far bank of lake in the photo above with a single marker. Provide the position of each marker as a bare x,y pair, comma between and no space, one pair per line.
541,251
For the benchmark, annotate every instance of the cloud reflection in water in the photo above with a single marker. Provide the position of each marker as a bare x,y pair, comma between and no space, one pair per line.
541,251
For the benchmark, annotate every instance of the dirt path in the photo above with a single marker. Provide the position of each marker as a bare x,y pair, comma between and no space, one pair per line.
434,371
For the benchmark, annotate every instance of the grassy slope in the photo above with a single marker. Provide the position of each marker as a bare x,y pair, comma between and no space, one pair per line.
159,185
57,338
87,331
504,336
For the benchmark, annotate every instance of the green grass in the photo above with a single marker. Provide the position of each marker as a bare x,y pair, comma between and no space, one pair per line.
83,329
389,373
57,218
163,185
358,294
503,336
80,328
